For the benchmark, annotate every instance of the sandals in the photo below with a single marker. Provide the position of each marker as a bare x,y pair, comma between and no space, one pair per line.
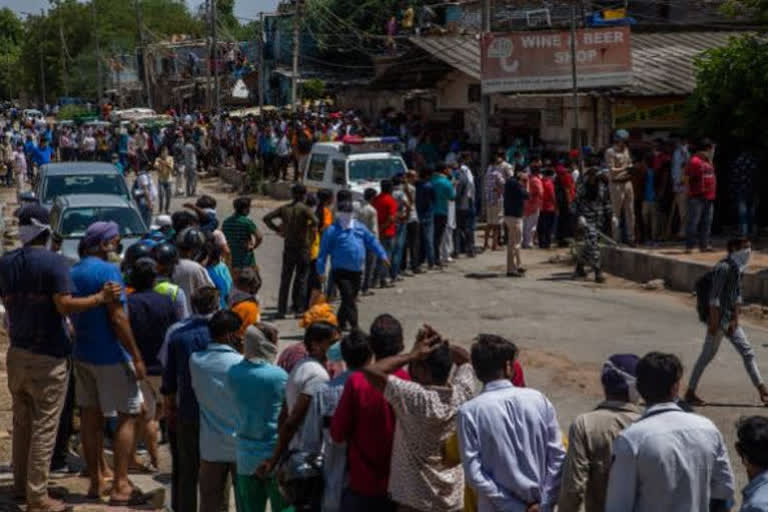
136,498
49,505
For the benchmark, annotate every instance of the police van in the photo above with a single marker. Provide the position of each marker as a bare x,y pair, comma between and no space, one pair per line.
355,164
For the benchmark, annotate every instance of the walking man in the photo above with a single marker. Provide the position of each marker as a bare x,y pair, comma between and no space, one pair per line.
346,242
297,227
723,320
37,291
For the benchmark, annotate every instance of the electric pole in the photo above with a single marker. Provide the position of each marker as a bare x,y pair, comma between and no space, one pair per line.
42,65
143,50
577,135
261,65
62,55
215,49
209,63
295,73
485,99
99,88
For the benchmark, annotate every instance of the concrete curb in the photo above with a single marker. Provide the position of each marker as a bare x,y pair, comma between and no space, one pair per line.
677,274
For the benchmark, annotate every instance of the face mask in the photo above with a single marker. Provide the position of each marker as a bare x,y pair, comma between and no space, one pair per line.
741,258
345,219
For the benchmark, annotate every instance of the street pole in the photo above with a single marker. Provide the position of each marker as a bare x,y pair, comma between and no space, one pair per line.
577,136
42,65
215,56
209,63
143,49
295,73
99,88
261,65
62,62
485,99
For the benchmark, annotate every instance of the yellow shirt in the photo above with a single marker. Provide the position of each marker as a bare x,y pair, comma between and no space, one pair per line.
164,168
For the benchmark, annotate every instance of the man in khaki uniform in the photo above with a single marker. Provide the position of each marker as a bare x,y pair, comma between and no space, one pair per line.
619,162
590,441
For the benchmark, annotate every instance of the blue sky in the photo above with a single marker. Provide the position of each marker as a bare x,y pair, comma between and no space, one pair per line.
243,8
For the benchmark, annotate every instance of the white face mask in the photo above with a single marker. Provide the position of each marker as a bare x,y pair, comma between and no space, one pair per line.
345,219
741,258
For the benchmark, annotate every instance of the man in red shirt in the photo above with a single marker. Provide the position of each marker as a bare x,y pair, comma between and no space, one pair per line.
702,189
366,423
548,208
386,211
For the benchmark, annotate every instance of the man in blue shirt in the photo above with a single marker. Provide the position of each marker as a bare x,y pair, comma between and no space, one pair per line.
37,291
346,242
752,446
41,154
208,370
444,192
258,388
107,363
182,340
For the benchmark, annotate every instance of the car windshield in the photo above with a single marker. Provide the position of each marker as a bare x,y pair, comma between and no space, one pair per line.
75,221
109,184
375,169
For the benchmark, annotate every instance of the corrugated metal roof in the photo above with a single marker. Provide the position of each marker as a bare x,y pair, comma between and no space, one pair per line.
460,52
662,63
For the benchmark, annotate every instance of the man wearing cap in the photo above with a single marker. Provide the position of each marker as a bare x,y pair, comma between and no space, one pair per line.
346,241
108,364
619,163
297,227
590,441
37,292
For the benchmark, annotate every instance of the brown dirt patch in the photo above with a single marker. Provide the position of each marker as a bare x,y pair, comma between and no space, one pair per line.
565,373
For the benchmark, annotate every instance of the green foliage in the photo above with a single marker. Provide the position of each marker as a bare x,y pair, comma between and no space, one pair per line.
313,89
11,35
730,103
755,9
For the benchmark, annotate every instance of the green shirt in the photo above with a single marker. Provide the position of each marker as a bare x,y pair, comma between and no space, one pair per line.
238,230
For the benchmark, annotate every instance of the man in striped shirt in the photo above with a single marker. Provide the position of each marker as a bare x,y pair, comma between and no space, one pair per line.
242,235
723,321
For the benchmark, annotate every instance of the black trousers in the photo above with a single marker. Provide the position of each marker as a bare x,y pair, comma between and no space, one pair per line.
441,221
296,267
464,235
173,444
544,229
348,283
411,254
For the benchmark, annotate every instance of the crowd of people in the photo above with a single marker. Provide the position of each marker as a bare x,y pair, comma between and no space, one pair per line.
344,420
171,344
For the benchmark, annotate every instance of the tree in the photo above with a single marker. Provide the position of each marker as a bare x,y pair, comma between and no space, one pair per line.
756,9
11,35
730,102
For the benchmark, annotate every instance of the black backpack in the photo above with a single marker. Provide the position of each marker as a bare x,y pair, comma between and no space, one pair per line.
703,288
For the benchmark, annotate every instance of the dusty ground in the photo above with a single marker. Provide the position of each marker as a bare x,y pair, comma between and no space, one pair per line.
565,328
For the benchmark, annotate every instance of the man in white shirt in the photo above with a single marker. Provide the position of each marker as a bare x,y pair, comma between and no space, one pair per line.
510,442
669,460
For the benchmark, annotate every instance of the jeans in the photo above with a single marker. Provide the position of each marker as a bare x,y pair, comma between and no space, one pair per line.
545,228
746,207
711,345
370,267
412,242
700,213
188,444
427,240
348,283
146,213
296,266
381,271
441,221
398,250
164,196
464,234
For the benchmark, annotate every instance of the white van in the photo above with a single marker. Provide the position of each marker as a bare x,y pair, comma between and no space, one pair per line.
355,164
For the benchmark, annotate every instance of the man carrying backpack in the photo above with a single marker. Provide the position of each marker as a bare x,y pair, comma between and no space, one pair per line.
720,290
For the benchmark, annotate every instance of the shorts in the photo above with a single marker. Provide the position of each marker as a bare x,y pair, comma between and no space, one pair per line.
493,214
150,392
111,387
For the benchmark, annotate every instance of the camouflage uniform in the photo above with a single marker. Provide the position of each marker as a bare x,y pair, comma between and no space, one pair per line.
597,212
